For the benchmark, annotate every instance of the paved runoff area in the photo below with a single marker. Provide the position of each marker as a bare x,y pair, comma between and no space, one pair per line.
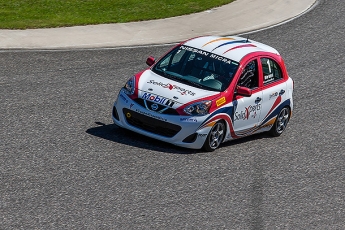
238,17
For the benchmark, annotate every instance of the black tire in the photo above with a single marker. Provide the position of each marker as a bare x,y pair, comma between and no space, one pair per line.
281,122
215,137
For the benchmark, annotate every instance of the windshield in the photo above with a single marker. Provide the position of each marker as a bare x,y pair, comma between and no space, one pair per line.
197,67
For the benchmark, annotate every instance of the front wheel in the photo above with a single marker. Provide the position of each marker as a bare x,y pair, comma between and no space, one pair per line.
281,122
215,137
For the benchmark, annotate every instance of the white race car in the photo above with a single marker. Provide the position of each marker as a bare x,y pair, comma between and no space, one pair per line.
208,90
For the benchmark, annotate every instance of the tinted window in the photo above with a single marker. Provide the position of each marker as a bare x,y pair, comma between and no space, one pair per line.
271,70
197,67
249,76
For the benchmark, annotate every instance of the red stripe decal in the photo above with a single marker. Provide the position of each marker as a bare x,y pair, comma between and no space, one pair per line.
241,46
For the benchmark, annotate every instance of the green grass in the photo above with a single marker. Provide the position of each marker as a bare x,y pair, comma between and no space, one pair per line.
24,14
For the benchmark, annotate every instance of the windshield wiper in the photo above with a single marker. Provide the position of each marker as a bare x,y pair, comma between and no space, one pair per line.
168,75
189,82
196,84
165,74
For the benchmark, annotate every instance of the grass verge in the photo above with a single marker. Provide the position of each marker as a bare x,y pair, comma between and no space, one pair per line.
24,14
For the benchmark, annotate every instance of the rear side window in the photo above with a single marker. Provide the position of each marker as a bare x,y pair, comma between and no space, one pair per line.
271,70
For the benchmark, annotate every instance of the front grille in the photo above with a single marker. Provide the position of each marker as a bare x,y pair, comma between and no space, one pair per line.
163,108
150,124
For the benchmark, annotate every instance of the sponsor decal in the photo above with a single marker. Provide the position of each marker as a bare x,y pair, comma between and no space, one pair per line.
131,105
188,119
169,86
154,107
207,54
150,115
220,58
268,78
273,95
157,99
249,112
123,98
202,134
220,101
194,50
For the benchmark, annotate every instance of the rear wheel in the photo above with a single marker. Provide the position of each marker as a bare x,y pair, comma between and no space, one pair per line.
215,137
281,122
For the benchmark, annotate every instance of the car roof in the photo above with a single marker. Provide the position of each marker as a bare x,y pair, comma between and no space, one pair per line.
232,47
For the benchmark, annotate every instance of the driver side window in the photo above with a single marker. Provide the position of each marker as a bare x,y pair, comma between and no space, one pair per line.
249,77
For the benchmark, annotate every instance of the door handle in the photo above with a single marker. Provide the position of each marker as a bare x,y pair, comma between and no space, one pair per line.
281,92
257,100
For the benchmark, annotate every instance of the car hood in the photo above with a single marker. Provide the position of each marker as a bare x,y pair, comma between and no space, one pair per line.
151,86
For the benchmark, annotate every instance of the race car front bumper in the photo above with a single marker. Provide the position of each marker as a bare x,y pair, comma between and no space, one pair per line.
185,131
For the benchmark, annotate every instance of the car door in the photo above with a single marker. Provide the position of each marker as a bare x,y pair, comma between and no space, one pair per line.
247,109
274,86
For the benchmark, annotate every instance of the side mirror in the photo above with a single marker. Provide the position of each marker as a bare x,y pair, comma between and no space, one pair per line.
150,61
243,91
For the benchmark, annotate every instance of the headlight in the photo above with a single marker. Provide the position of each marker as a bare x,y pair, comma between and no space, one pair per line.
130,86
198,109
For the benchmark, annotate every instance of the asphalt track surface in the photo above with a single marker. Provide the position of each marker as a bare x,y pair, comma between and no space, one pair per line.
63,165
